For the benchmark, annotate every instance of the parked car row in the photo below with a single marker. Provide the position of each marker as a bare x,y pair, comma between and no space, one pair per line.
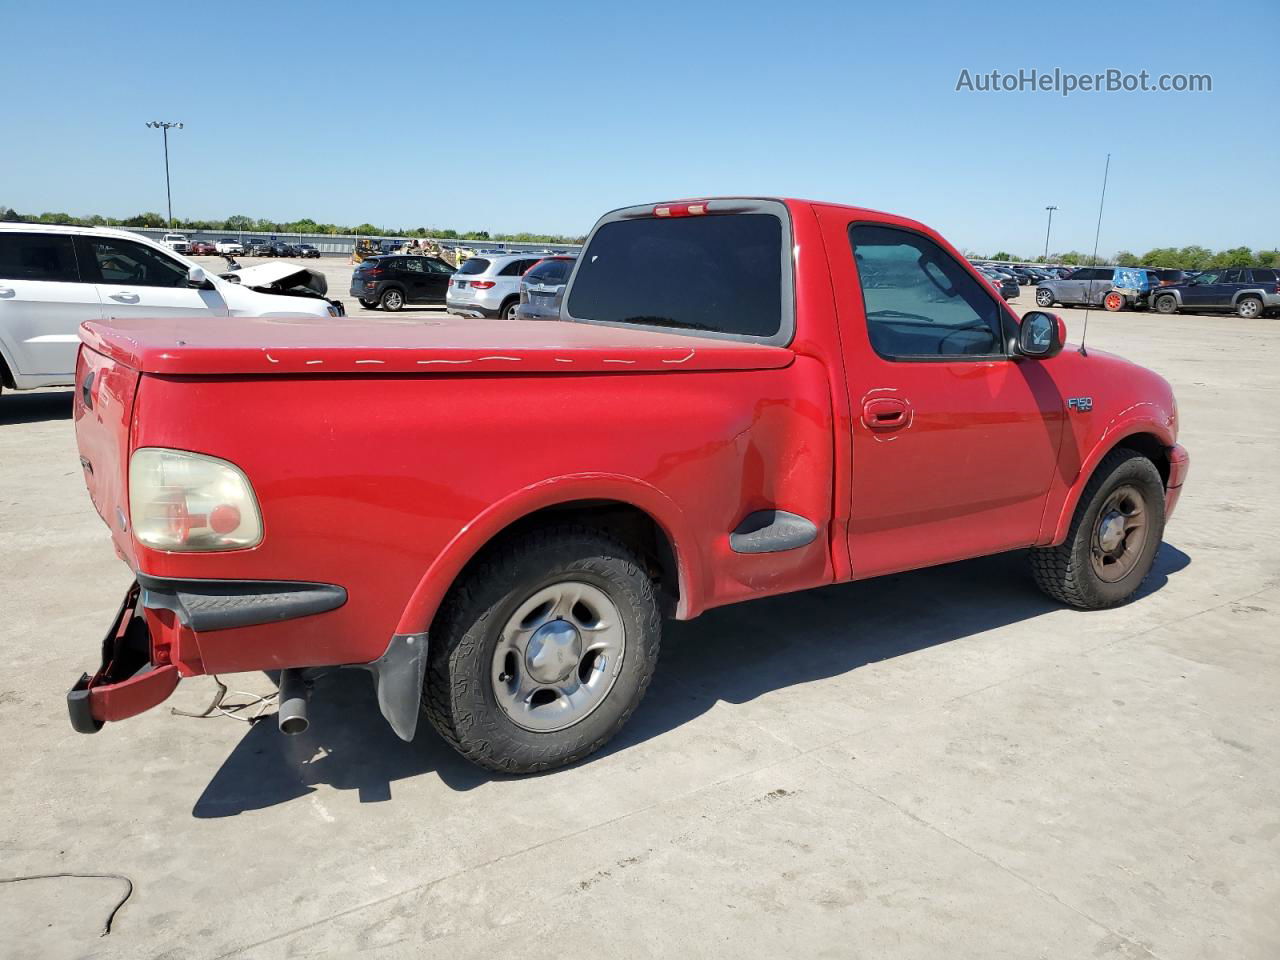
53,278
507,285
1249,292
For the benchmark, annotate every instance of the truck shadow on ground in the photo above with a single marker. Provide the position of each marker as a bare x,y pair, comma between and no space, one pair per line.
36,407
733,654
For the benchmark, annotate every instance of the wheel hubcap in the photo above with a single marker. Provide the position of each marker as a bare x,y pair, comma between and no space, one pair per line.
393,300
1043,298
1249,308
558,656
1119,535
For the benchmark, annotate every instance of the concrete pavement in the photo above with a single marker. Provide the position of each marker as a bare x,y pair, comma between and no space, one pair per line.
934,764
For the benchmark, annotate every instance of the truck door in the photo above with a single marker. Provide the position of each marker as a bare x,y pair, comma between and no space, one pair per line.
954,441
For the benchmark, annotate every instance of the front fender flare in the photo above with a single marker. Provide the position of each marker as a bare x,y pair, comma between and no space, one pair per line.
1146,417
444,570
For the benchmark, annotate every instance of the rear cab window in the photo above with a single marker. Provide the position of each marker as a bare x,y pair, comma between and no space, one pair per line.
726,273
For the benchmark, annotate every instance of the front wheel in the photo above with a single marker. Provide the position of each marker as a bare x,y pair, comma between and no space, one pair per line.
1249,308
1044,298
1166,304
1113,539
542,651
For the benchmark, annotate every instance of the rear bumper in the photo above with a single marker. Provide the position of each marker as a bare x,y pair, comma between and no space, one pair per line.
135,674
126,682
1179,466
472,310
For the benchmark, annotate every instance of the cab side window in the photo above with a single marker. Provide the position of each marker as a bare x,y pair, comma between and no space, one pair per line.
38,256
126,262
921,303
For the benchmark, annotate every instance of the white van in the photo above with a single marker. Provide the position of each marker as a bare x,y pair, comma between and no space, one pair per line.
52,279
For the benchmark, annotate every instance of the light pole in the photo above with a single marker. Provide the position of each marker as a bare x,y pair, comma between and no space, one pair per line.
164,125
1046,233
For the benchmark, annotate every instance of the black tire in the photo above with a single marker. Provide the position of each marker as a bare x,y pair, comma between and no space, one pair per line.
1066,572
459,697
1249,308
392,299
369,304
508,309
1166,304
1044,298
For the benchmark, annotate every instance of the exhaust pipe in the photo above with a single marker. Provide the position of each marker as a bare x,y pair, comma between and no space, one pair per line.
292,715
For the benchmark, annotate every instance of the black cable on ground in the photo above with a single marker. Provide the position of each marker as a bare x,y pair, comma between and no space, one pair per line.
106,927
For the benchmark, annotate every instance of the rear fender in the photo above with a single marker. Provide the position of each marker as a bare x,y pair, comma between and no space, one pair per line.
444,570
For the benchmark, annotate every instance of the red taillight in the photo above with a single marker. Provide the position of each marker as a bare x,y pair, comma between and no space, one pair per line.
483,284
694,209
373,272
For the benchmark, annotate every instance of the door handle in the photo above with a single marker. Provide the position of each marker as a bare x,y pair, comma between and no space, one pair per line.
124,296
885,413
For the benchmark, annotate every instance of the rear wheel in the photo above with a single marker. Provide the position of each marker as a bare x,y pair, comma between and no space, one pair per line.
1113,539
1249,308
1166,304
392,299
1044,298
369,304
1113,302
508,311
542,651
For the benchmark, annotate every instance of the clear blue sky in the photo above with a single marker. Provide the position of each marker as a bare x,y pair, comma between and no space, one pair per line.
540,117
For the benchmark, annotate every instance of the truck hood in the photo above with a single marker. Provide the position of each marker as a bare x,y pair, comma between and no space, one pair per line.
274,277
313,346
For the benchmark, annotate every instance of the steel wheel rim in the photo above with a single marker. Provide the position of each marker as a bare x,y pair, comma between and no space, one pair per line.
558,656
1119,534
1112,301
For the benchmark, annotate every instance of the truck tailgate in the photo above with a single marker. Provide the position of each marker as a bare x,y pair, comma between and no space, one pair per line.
103,412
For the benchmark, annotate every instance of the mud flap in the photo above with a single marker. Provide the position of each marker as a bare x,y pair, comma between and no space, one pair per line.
397,677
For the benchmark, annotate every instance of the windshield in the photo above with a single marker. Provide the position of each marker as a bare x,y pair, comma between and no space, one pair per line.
474,265
554,272
717,273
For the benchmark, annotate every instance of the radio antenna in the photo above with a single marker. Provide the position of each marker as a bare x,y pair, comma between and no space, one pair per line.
1084,331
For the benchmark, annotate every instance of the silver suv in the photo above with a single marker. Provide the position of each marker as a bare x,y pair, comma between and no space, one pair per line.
489,285
1088,285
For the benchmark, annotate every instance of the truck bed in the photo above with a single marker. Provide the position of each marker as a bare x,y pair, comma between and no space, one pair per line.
274,346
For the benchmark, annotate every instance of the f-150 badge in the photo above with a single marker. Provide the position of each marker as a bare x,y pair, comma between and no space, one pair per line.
1080,404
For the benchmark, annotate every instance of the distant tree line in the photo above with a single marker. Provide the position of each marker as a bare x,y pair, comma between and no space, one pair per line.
1193,257
243,224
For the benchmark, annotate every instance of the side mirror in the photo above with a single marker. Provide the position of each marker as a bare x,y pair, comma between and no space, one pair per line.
196,277
1041,335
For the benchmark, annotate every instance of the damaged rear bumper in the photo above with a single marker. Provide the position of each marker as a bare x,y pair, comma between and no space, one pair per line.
126,682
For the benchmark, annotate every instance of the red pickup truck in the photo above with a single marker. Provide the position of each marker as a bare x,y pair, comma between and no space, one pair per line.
743,397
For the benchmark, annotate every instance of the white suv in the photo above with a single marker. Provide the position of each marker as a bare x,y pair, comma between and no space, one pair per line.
229,247
488,285
177,242
52,279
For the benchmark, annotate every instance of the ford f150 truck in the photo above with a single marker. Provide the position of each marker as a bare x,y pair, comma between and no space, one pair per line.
744,397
